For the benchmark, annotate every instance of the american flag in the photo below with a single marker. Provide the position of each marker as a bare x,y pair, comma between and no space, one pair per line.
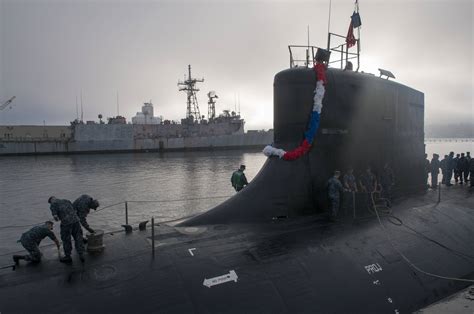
350,39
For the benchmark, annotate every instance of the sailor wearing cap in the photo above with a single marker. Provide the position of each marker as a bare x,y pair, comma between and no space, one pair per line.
83,206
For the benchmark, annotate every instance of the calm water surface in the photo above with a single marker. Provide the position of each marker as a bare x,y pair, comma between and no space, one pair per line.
27,182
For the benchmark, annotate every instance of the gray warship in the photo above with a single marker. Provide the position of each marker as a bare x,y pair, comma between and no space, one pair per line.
146,133
269,248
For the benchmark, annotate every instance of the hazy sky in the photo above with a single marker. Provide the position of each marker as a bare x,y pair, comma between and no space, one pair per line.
50,50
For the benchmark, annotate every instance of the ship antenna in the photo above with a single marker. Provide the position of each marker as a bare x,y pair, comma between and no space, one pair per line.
238,95
82,109
329,23
235,101
77,109
307,50
358,28
118,107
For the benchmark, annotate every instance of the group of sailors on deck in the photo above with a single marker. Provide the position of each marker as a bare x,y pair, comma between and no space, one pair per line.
71,216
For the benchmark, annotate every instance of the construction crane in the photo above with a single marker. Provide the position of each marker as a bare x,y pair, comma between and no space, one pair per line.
8,102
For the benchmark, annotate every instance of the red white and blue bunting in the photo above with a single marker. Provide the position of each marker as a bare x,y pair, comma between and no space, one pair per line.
305,146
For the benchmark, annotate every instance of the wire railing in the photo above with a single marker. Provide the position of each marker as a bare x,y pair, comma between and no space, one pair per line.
126,207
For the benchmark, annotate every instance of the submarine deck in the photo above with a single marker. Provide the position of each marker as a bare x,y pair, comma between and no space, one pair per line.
277,267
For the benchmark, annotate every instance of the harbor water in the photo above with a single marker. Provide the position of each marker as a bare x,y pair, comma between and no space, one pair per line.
164,185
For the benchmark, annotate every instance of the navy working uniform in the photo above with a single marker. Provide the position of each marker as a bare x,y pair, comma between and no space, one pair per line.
368,182
334,193
427,168
64,211
238,179
83,205
434,169
387,182
471,171
31,240
350,182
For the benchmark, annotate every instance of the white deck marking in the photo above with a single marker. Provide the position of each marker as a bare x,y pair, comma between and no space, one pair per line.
231,276
191,251
373,268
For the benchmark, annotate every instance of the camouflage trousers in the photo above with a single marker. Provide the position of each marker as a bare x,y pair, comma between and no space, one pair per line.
334,204
33,250
72,230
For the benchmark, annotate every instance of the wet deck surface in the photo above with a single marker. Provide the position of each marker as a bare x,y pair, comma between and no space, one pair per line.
303,265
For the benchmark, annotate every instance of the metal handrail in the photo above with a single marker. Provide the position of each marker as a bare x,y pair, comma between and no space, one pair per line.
345,55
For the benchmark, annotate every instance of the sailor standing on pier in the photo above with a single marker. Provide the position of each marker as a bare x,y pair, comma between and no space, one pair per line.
62,210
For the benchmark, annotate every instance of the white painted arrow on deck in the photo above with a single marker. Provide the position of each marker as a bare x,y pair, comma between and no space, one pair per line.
231,276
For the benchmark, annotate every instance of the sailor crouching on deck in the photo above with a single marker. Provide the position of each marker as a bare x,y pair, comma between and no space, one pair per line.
64,211
83,207
31,240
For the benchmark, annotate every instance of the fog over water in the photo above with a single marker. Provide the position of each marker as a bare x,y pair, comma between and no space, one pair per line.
27,182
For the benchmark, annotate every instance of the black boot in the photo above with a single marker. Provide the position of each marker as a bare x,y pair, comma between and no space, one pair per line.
81,257
66,259
17,258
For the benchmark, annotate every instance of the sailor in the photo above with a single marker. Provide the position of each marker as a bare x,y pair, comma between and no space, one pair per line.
471,171
456,169
434,169
350,183
468,157
427,168
444,168
238,179
31,240
334,193
463,168
64,211
368,181
387,182
450,165
83,206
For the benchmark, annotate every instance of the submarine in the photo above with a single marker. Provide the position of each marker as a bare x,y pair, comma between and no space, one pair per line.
270,248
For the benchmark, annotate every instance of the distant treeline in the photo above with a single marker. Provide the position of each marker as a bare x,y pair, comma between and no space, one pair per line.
464,130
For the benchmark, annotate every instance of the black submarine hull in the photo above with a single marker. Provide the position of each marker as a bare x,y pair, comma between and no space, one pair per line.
301,265
237,258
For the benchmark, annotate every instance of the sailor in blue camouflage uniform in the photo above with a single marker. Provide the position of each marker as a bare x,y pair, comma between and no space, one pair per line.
64,211
83,206
31,240
334,193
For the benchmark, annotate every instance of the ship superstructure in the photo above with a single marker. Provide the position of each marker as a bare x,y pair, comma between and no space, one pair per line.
145,132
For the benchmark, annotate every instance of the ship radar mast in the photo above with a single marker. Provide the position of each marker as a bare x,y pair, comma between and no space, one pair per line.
189,86
211,109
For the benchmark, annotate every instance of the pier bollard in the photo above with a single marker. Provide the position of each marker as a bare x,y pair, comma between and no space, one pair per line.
153,237
95,242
